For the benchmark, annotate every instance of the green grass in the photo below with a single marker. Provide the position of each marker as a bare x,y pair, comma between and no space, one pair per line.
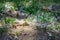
7,20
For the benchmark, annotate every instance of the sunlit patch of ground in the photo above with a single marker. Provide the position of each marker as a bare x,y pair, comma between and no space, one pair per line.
22,30
26,30
20,25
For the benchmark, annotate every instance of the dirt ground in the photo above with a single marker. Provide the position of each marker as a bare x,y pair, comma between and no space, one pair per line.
19,31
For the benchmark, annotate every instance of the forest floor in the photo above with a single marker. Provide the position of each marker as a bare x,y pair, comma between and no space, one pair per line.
28,31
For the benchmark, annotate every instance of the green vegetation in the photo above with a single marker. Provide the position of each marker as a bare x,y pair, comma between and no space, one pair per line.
3,30
44,11
7,20
33,7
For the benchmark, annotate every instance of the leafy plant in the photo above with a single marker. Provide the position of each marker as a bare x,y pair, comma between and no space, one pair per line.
54,27
45,17
7,20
